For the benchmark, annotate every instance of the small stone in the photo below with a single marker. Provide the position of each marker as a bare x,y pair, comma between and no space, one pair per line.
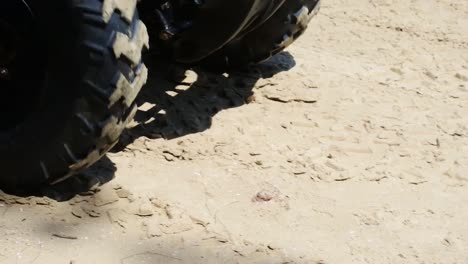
264,196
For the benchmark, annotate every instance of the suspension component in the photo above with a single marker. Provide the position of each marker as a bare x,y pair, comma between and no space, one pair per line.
169,18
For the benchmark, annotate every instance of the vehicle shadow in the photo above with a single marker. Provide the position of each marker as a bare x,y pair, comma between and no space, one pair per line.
176,101
179,100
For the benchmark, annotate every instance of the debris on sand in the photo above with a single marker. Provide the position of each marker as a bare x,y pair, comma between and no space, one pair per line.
65,236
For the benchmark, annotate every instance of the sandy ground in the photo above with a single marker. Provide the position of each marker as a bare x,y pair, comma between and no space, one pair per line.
350,148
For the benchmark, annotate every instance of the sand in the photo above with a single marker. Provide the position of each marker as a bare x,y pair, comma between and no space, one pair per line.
351,147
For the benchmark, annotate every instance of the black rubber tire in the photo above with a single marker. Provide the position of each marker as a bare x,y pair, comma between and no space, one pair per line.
273,36
94,72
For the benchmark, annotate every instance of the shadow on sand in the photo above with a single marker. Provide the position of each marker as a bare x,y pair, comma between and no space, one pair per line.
176,101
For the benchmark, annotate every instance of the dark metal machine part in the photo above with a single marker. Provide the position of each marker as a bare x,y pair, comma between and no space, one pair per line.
20,67
208,25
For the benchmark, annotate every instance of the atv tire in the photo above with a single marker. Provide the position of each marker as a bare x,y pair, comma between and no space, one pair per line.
92,75
268,39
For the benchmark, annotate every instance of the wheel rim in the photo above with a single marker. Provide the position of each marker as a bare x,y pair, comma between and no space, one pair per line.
21,69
